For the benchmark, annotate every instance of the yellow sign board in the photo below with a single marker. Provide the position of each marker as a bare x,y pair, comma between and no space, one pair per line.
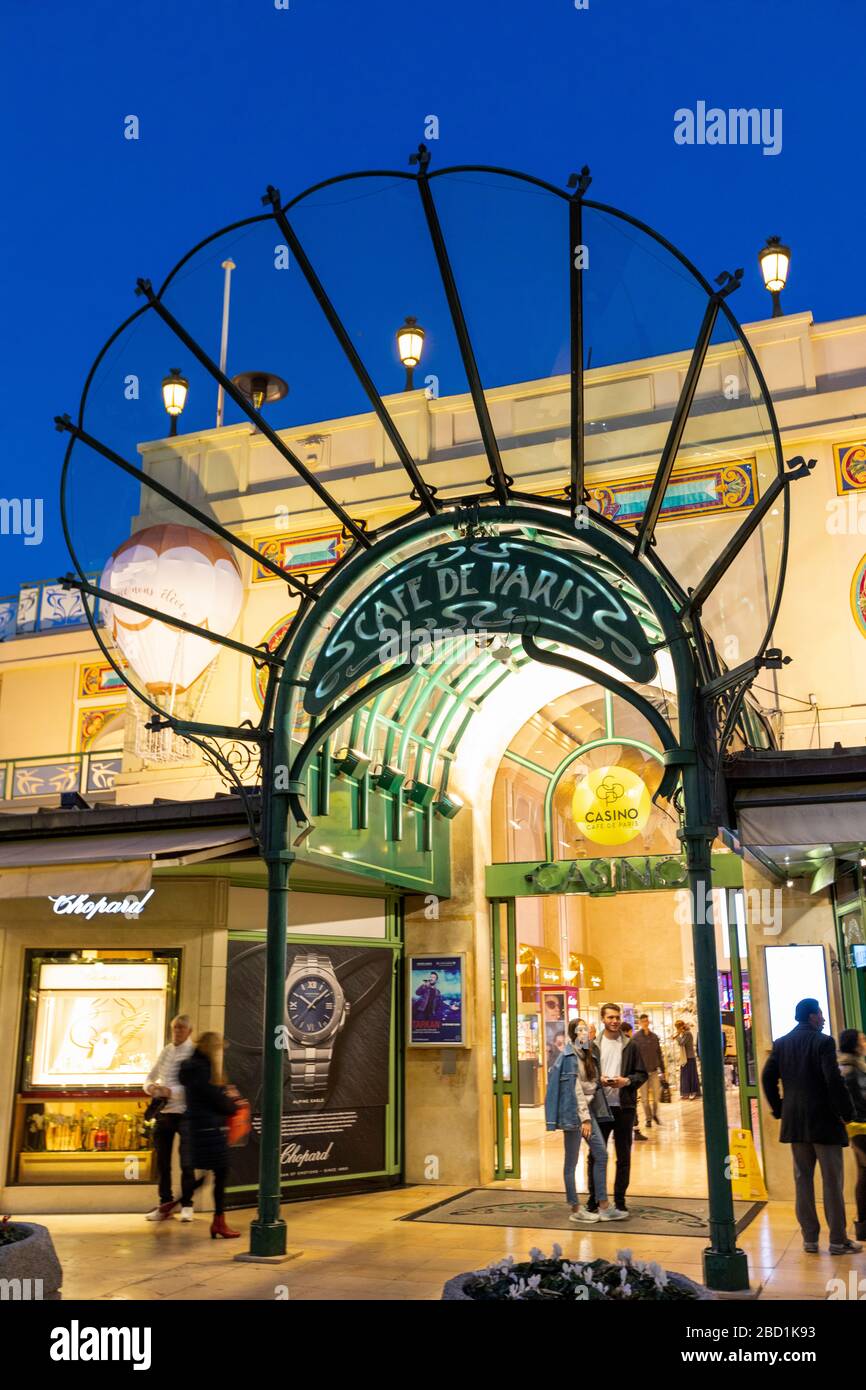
746,1178
611,805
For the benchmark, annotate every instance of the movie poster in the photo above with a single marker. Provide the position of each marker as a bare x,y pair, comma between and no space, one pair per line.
436,1005
339,1129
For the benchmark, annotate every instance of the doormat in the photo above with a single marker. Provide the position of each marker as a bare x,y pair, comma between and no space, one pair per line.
655,1216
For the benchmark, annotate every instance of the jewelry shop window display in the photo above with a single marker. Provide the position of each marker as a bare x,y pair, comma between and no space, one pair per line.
94,1024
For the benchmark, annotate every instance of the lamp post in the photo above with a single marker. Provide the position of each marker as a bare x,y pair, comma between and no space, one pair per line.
174,393
410,342
774,260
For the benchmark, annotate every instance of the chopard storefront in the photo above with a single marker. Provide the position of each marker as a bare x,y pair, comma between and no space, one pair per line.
105,936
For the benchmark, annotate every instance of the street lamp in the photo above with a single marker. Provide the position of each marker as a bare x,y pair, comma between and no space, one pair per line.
174,392
410,341
774,261
260,388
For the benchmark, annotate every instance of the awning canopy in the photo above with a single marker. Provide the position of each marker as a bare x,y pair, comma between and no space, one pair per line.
815,814
118,862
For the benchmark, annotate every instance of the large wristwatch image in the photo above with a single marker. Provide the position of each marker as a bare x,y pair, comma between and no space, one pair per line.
316,1011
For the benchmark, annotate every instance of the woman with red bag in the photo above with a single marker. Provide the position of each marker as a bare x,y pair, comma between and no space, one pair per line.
209,1107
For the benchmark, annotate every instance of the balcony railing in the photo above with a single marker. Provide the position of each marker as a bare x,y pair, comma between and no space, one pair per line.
43,606
50,774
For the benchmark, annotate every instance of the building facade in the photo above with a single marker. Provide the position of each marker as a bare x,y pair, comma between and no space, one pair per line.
463,929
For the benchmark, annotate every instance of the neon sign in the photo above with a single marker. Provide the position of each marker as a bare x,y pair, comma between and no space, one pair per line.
483,584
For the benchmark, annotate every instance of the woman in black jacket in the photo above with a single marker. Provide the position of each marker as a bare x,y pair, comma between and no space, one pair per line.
209,1103
852,1065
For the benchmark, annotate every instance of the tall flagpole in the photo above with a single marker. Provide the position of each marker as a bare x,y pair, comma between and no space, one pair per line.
228,267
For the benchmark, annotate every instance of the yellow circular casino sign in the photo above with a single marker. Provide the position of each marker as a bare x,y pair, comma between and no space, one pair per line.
611,805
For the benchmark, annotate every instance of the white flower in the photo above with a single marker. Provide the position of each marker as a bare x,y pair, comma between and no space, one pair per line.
533,1281
556,1253
623,1275
516,1291
623,1256
654,1269
626,1288
587,1274
536,1255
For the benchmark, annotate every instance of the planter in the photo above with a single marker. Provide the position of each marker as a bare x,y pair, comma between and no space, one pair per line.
29,1261
453,1290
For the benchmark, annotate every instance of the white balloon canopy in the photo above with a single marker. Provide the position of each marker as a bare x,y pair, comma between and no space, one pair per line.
184,573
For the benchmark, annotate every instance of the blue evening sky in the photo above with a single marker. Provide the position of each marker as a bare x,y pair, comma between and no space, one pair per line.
234,94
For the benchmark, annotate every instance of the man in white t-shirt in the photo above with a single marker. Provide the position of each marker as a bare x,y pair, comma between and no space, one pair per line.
622,1077
162,1082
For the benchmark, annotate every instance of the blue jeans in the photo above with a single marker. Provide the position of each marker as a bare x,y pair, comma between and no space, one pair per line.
598,1149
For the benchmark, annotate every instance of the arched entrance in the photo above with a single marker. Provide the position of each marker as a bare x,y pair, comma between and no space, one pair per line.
587,906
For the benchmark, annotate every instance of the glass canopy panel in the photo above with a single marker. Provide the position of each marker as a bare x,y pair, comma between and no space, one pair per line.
726,461
105,506
642,309
508,245
275,326
369,244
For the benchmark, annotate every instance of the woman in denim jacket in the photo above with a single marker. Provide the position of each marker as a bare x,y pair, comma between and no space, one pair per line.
574,1103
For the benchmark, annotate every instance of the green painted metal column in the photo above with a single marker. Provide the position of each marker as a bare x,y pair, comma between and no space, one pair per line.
726,1267
268,1231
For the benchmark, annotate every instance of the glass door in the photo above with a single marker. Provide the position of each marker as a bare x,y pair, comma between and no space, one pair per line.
503,937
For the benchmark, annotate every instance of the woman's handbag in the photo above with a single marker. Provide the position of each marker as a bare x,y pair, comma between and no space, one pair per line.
855,1128
665,1091
240,1124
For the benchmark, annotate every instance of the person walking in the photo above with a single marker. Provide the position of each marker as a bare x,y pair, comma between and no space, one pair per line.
852,1065
163,1084
814,1106
690,1086
649,1051
570,1102
628,1032
209,1104
621,1078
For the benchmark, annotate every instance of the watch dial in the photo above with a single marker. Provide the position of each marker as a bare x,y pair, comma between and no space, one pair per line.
311,1005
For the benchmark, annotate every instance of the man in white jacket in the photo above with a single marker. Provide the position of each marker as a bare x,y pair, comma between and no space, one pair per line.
163,1082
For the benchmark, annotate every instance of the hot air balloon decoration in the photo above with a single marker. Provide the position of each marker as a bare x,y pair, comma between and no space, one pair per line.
184,573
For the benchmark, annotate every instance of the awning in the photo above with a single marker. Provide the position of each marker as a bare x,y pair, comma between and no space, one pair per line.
120,863
814,814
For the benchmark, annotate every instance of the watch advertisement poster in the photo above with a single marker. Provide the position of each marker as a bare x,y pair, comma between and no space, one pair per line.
336,1050
437,1001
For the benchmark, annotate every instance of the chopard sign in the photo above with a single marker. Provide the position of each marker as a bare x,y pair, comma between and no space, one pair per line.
484,584
81,904
293,1154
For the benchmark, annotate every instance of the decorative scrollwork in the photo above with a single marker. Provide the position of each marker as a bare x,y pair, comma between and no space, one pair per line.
238,764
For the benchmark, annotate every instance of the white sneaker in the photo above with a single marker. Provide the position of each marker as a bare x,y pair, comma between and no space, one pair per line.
613,1214
583,1214
186,1213
161,1213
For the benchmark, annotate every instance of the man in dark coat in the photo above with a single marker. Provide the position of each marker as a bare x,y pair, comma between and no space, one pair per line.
813,1108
